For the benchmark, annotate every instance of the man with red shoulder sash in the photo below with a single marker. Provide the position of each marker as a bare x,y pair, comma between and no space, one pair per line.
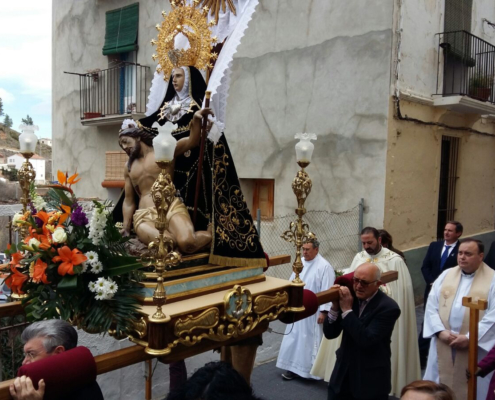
447,320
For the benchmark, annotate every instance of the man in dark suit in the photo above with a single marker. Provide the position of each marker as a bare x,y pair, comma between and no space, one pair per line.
362,370
440,256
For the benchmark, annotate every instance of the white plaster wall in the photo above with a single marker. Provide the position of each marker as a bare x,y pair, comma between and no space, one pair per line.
421,21
314,66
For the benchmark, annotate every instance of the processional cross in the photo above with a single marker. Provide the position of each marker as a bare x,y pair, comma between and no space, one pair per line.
474,317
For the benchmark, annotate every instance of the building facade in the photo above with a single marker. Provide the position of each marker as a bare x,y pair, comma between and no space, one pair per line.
37,162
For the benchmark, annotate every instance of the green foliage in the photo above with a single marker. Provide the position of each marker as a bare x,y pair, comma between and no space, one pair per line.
480,80
7,121
75,295
1,107
28,120
10,173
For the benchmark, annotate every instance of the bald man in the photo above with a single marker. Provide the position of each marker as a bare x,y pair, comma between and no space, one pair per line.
363,368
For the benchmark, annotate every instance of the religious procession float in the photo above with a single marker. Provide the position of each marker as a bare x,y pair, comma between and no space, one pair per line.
177,265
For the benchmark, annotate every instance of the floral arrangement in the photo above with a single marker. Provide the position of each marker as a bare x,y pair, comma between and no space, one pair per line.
72,265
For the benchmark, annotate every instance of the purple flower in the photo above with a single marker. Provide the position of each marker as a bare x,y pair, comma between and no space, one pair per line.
78,217
39,222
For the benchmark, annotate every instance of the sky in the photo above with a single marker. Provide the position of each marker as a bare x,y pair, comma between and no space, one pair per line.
26,62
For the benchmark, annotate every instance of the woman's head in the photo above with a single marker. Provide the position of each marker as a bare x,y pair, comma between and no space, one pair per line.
426,390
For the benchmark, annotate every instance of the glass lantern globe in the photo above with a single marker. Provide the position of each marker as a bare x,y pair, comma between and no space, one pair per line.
164,143
28,139
304,148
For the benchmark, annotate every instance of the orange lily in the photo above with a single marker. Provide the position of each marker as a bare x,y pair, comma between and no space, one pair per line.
15,280
69,258
43,216
16,259
41,237
40,272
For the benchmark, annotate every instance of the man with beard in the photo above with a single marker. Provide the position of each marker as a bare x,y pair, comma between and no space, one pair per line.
141,173
405,355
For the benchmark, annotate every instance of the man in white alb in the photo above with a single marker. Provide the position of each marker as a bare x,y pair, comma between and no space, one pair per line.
404,347
447,321
300,345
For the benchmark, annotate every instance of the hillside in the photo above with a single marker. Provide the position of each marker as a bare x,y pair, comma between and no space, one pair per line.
9,140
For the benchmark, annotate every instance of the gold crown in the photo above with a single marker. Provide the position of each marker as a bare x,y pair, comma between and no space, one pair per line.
193,24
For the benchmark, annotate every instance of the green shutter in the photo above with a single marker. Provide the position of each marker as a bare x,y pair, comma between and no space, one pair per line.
121,30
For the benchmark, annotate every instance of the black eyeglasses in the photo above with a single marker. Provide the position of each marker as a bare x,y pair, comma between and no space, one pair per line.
363,283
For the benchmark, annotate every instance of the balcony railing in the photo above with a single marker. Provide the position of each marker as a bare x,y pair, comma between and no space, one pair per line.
466,66
113,91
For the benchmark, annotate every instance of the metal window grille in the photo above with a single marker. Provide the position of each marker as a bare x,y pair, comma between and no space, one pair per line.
114,91
448,180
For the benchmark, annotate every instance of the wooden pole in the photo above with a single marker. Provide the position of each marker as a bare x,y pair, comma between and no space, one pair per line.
474,317
201,156
149,379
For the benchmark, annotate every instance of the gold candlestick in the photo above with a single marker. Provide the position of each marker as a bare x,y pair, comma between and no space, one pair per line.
26,176
163,194
298,231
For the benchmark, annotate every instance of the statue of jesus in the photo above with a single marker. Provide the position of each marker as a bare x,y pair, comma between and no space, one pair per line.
141,172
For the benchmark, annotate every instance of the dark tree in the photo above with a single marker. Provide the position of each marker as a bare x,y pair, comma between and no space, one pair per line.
7,121
28,120
1,107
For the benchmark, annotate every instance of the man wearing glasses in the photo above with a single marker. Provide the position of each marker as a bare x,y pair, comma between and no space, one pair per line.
405,354
45,339
363,368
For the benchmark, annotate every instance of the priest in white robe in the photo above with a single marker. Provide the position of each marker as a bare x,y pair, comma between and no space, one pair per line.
447,321
404,346
300,345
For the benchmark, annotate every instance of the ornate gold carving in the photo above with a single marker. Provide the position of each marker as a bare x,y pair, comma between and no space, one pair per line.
237,303
298,231
161,252
264,303
193,24
206,320
237,319
215,5
26,176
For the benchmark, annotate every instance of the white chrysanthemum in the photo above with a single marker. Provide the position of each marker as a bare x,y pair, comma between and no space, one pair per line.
101,295
84,266
92,257
111,286
97,267
105,289
92,287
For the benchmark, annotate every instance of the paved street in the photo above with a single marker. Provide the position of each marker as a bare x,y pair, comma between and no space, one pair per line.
269,385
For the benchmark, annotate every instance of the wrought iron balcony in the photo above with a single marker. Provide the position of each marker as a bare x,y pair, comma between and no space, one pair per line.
466,66
117,91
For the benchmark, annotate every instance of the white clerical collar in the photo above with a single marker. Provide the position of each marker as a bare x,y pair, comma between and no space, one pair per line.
468,276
